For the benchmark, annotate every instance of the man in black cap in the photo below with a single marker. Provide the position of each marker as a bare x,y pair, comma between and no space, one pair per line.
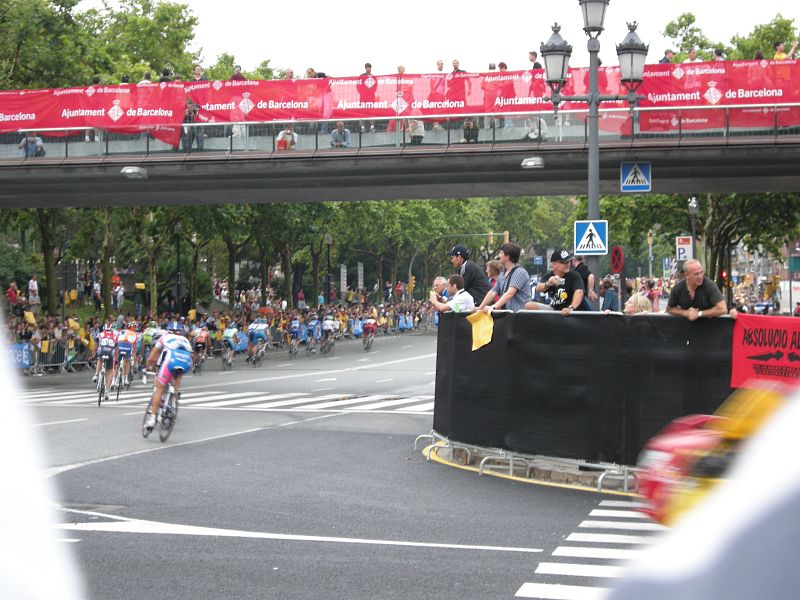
564,287
476,283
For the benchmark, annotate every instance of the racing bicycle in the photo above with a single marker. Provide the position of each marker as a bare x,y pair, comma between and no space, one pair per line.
167,413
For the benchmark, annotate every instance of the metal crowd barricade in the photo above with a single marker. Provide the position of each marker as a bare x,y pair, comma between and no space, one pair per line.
59,355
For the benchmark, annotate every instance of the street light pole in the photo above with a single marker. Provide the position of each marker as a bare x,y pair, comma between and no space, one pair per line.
632,54
650,254
693,215
178,301
328,243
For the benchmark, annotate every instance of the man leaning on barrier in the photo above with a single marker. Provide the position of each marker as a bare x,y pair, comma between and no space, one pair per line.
460,300
696,296
564,287
513,288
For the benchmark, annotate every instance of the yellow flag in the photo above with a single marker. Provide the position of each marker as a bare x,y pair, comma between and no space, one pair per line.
482,329
29,318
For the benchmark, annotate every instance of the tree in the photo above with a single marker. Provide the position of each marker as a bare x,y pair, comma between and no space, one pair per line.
687,35
232,222
762,39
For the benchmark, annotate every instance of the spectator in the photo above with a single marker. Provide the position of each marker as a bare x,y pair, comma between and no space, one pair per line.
719,56
288,74
35,302
610,297
564,287
693,57
125,79
192,134
653,294
695,296
533,56
588,282
637,305
120,297
796,312
475,282
32,145
470,132
460,300
33,285
759,55
535,129
493,270
312,74
668,57
440,288
416,129
780,51
301,299
166,75
197,74
513,288
287,139
237,74
12,293
145,80
340,137
115,279
97,291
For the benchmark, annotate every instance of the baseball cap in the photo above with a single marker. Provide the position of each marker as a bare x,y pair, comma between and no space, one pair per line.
459,250
560,256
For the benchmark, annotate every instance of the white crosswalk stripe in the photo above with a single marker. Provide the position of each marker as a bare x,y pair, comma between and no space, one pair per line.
585,561
252,400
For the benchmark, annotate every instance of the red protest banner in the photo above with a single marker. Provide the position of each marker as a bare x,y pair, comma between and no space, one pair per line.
765,348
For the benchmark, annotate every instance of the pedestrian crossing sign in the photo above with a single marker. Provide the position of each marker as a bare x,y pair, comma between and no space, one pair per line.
591,238
635,177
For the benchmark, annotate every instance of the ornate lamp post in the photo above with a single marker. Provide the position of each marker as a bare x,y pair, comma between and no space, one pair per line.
328,243
632,54
693,215
178,303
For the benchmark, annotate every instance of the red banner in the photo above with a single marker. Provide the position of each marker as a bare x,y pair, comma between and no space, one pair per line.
765,348
688,97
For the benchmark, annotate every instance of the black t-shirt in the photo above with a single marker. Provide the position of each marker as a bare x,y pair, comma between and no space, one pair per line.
561,295
583,270
706,296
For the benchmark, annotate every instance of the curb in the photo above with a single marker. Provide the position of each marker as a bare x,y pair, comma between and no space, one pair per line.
558,477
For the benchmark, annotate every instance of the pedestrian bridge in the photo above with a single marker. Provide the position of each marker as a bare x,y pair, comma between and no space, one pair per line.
242,162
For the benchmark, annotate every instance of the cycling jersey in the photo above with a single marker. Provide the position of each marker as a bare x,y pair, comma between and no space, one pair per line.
201,339
328,325
258,331
313,328
147,336
126,343
294,328
370,326
176,353
106,342
230,335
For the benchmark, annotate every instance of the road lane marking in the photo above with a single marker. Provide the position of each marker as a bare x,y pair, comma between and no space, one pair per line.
578,570
321,389
621,514
330,372
58,422
124,525
407,347
388,403
623,525
325,379
285,365
587,552
622,504
53,471
384,380
417,407
609,538
342,402
431,373
243,398
552,591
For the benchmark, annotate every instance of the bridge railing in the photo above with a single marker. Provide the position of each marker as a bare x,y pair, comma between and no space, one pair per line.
675,126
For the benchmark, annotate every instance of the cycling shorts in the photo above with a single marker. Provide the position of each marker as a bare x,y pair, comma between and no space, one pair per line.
178,361
125,350
228,342
294,333
257,335
199,346
105,353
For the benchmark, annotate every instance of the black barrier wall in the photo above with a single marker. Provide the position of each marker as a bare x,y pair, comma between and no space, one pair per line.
588,386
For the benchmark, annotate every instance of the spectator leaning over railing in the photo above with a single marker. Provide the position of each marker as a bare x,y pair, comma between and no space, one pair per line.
513,288
32,145
696,296
460,300
340,137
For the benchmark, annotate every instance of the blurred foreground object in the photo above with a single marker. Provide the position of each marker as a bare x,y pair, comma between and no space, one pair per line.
741,541
34,564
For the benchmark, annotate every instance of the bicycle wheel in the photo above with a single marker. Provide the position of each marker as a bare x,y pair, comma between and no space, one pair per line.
168,417
146,430
101,387
119,383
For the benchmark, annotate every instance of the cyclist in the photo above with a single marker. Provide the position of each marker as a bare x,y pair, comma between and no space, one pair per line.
370,328
126,350
106,342
230,338
329,327
256,333
294,329
313,329
147,344
202,340
174,353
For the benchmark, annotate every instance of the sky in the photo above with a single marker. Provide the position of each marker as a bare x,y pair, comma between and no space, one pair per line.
339,37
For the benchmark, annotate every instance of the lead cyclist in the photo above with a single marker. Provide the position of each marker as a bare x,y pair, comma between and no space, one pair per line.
176,359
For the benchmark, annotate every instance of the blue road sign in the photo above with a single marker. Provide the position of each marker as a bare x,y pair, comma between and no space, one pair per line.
591,237
635,177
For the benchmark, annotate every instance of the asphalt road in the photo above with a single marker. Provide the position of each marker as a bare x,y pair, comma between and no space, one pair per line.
299,479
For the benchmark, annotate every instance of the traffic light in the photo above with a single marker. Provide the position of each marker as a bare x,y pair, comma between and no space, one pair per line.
505,236
411,284
723,275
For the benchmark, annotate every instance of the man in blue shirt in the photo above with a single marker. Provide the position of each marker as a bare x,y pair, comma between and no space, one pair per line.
513,288
31,145
340,137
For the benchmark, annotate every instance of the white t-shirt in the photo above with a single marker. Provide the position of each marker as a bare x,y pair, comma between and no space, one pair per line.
33,286
461,302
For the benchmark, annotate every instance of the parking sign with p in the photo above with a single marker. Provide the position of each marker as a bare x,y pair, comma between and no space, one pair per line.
683,247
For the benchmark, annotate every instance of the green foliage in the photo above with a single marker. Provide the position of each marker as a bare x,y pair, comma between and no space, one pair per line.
687,36
763,39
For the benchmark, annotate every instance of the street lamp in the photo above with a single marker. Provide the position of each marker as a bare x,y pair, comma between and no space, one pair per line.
178,230
328,243
556,53
693,215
